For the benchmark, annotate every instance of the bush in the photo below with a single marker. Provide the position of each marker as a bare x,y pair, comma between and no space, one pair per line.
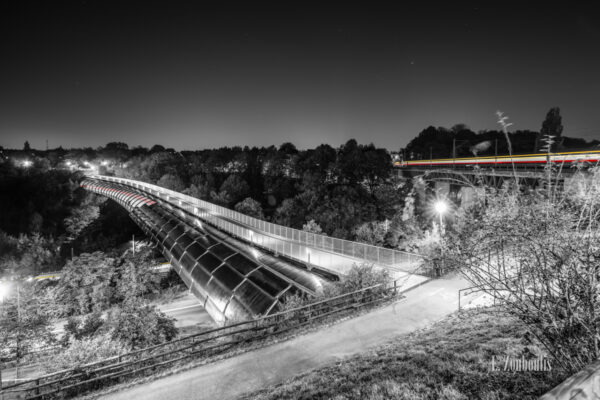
84,327
360,277
85,351
140,325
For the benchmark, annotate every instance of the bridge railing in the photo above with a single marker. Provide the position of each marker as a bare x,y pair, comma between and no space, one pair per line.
205,345
361,252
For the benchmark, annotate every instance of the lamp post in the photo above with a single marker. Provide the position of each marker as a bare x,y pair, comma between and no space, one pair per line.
441,207
4,291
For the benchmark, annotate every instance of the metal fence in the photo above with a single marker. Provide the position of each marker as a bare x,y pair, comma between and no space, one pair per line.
76,381
280,239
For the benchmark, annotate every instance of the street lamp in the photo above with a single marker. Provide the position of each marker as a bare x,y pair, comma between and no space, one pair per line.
4,289
441,207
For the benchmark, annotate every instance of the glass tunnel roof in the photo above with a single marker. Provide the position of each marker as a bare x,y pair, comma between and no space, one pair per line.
221,271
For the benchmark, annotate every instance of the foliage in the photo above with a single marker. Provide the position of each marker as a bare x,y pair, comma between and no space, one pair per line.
36,200
233,189
139,325
85,327
113,227
552,126
83,215
250,207
24,322
94,282
135,278
312,227
171,181
27,255
373,233
85,351
359,277
538,254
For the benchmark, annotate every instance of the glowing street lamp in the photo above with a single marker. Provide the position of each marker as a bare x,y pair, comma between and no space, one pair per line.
441,207
4,290
27,163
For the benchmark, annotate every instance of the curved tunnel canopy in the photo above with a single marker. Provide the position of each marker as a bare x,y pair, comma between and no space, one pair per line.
221,271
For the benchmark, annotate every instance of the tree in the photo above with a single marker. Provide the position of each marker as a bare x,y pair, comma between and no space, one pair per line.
312,227
372,232
85,351
139,325
289,213
85,327
288,148
359,277
135,277
86,284
157,148
551,127
84,215
250,207
36,253
201,191
537,254
234,189
24,322
26,146
171,181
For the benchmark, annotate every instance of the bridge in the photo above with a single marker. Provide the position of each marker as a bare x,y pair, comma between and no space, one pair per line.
460,177
236,265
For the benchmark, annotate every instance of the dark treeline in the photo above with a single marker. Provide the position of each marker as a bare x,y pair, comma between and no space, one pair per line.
440,142
338,188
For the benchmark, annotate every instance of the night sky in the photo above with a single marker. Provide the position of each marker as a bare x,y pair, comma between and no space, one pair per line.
89,72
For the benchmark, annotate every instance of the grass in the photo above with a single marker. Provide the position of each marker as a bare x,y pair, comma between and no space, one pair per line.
450,361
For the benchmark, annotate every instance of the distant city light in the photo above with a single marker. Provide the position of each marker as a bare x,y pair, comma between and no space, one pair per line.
27,163
104,163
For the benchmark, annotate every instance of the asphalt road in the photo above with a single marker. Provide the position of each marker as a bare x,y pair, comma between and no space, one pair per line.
189,315
230,378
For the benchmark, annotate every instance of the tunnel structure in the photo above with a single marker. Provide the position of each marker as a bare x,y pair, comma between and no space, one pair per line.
233,280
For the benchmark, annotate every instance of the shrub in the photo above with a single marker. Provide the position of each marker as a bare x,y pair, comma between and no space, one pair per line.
360,276
84,327
140,325
85,351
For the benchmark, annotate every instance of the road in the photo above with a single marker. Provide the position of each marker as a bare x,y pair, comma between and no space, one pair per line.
230,378
189,314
